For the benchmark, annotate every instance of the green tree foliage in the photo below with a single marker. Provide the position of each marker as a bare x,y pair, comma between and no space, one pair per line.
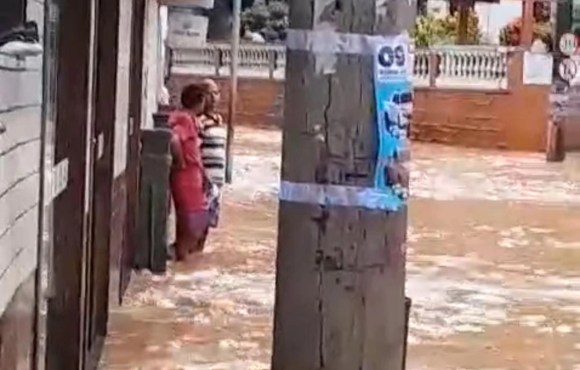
542,11
510,35
270,20
430,30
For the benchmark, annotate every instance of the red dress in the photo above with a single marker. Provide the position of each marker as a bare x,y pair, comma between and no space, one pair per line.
187,182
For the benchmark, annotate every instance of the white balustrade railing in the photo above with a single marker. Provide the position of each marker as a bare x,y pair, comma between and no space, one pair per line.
421,67
469,67
215,59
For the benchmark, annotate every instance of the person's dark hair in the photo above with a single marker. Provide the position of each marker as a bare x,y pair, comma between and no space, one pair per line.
191,95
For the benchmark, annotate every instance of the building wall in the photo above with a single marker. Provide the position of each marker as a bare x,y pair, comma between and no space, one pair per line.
122,122
493,120
492,16
572,135
153,67
20,113
514,119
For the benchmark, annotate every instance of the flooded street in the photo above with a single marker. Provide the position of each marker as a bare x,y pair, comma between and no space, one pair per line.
493,256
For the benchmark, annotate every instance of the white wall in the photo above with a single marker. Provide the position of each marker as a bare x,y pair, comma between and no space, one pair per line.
163,25
20,112
153,62
152,70
123,87
439,8
493,17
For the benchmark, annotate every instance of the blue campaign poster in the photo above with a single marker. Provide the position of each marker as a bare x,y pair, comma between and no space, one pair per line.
394,106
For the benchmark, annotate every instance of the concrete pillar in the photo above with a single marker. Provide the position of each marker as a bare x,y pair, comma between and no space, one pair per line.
527,36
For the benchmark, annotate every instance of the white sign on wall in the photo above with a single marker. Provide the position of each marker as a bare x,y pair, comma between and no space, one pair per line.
207,4
538,68
568,69
185,28
568,44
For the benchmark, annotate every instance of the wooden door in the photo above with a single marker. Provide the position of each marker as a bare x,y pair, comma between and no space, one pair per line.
84,129
65,343
100,203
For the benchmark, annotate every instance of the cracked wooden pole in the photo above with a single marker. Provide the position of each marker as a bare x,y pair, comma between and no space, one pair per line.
340,285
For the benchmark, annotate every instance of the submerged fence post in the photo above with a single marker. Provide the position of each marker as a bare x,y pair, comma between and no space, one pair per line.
271,63
408,304
151,252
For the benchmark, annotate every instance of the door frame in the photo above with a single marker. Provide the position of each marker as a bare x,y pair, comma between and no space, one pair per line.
65,303
132,175
77,302
46,165
98,262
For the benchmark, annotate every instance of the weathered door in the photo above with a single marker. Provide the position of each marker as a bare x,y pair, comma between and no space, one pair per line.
66,341
79,278
102,122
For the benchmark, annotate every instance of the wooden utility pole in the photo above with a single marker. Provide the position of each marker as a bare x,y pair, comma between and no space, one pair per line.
463,23
340,286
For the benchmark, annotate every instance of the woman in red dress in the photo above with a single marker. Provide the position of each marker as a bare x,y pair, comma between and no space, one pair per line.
188,177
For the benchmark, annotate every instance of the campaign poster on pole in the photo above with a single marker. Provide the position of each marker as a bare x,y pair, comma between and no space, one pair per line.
394,107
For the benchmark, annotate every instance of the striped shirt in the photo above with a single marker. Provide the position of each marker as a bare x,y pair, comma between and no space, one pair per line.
213,148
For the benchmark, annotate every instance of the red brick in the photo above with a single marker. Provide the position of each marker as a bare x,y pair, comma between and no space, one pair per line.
514,119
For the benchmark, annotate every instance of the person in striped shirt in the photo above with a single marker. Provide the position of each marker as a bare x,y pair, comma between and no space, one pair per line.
213,136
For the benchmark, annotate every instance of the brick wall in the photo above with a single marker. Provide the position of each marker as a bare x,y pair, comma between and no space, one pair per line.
572,135
514,119
502,120
20,114
260,101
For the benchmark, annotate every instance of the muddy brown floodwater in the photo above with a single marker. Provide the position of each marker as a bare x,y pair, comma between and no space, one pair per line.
493,256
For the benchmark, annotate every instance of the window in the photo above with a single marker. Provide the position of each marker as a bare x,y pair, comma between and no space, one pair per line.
12,14
403,98
406,98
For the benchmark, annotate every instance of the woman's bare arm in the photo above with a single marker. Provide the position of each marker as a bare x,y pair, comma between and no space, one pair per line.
177,151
